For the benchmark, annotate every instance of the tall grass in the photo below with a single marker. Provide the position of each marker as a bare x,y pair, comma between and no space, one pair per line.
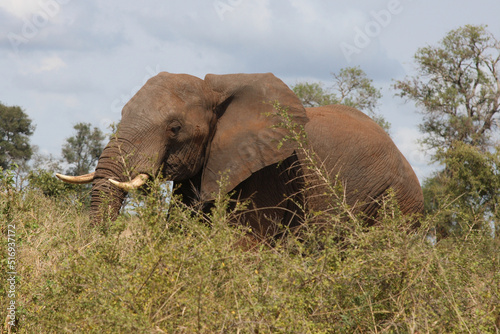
165,269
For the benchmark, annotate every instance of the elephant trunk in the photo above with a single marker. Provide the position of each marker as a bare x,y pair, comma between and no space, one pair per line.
107,198
106,201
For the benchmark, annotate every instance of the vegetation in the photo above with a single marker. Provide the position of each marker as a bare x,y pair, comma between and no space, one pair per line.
351,87
146,273
15,129
457,90
83,149
467,193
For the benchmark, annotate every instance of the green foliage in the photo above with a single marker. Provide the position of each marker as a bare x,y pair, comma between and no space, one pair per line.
313,94
15,129
153,273
456,88
351,88
355,89
49,185
7,179
41,178
467,192
457,92
83,149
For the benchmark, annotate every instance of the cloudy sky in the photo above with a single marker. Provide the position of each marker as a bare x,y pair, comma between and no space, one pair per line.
69,61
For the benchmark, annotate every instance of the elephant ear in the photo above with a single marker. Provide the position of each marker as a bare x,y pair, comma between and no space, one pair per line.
249,133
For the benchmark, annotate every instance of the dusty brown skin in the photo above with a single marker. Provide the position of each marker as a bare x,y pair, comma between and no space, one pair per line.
365,158
192,131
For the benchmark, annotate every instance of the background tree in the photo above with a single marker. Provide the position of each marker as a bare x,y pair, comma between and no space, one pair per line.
313,94
83,149
466,194
41,175
457,90
351,87
15,129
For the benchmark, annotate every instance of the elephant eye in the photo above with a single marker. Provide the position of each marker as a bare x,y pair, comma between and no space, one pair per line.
175,129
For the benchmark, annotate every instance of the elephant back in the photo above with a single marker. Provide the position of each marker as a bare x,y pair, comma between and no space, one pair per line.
364,157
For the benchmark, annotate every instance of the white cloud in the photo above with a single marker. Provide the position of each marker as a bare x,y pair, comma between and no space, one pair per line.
407,140
306,9
48,64
21,8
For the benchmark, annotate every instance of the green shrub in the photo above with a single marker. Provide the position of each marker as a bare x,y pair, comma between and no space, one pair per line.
164,269
49,185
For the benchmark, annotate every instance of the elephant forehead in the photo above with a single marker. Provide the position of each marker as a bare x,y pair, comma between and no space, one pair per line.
175,81
156,99
182,86
165,91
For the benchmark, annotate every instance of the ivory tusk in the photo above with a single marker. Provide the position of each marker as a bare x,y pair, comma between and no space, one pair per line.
82,179
137,182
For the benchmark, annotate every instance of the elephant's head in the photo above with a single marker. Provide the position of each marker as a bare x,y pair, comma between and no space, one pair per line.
179,126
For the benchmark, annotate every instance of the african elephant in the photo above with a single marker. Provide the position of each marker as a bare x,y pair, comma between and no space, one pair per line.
196,132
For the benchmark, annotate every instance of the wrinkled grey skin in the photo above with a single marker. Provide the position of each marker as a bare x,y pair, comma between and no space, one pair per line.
192,131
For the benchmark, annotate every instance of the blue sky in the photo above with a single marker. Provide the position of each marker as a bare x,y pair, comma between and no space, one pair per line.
68,61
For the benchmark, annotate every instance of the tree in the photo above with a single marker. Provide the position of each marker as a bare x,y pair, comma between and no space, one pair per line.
457,88
83,149
467,193
313,94
15,129
351,87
